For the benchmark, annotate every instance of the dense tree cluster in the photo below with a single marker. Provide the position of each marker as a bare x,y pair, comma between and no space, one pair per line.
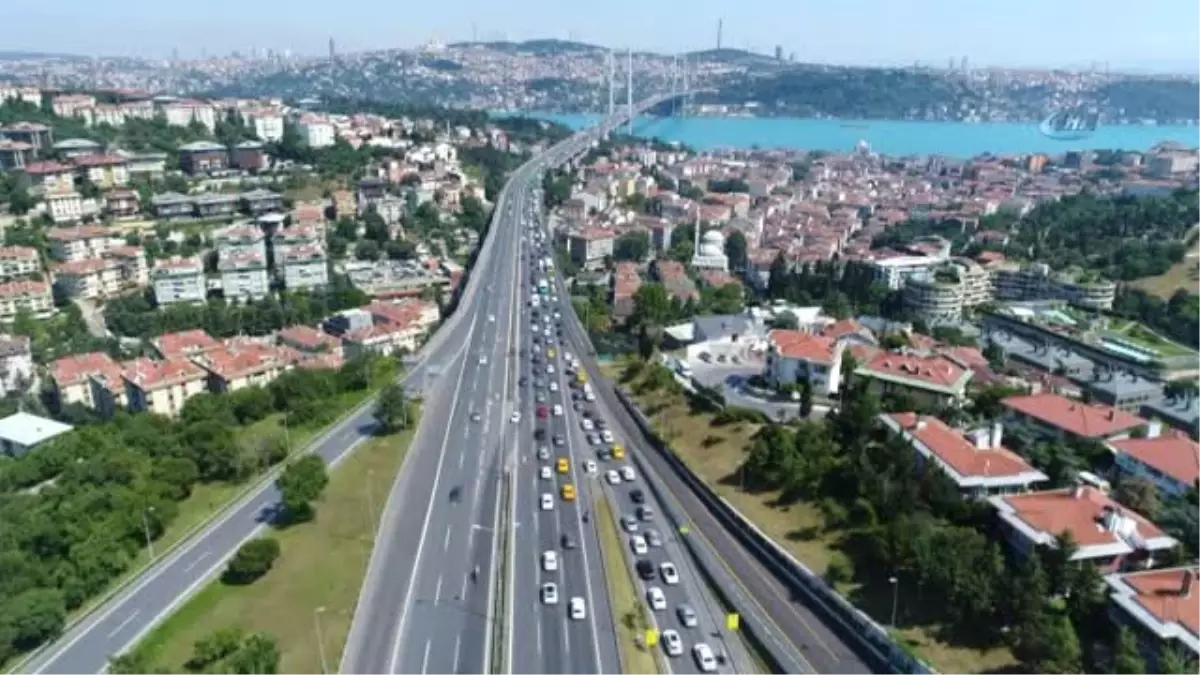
75,514
227,650
493,165
842,289
140,316
252,560
1177,318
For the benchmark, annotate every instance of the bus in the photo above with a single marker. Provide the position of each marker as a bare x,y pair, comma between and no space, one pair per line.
543,287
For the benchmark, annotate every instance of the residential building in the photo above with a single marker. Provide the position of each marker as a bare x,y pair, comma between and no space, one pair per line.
316,131
589,248
794,356
149,165
268,125
249,156
236,366
1107,534
257,202
626,282
32,296
19,262
215,206
297,236
183,113
1060,418
179,280
49,177
74,105
22,432
163,387
104,171
132,262
895,271
975,460
673,276
1171,462
244,276
13,92
15,154
381,340
1160,608
121,203
185,344
91,279
70,377
39,137
172,205
309,340
202,157
946,291
88,242
16,364
1038,282
928,380
304,267
70,148
64,205
241,239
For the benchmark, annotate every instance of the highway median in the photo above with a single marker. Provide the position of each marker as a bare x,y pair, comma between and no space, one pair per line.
628,609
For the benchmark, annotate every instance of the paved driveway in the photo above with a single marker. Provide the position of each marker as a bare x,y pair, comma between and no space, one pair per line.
732,379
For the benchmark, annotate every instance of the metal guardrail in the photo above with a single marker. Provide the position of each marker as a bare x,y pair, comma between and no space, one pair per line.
852,624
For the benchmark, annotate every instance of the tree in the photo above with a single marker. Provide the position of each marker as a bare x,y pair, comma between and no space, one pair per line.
393,411
1127,659
634,247
259,655
1138,494
35,616
651,305
300,484
786,321
735,250
134,662
806,398
1172,662
252,560
1048,644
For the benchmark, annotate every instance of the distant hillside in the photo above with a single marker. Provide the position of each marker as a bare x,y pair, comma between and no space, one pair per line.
14,55
733,57
536,47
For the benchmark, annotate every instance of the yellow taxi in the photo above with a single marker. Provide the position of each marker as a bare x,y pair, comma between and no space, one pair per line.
568,492
581,377
550,353
618,451
563,465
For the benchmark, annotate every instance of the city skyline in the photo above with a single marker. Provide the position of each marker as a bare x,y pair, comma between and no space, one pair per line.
1070,34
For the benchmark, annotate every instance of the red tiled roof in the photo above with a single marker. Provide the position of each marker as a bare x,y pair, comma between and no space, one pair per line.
22,288
843,328
45,168
1079,511
98,160
18,253
926,372
794,344
71,370
1160,594
1073,417
185,343
231,362
958,452
148,375
1174,455
308,338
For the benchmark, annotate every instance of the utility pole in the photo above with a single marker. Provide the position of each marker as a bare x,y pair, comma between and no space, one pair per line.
629,90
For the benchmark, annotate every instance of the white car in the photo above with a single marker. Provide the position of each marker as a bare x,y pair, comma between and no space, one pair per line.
549,594
637,544
590,467
546,473
549,368
553,386
567,356
586,424
491,318
613,477
516,416
672,643
483,360
705,658
589,396
547,501
654,596
670,575
549,561
558,409
627,474
578,609
607,435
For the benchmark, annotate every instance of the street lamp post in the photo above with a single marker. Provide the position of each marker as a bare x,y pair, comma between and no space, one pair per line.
146,526
371,498
895,599
320,640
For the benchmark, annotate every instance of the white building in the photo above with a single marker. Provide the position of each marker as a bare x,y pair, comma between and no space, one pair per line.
590,247
241,239
64,206
17,262
244,276
268,125
796,356
33,296
16,364
709,251
179,280
90,279
21,432
304,267
895,272
70,244
316,132
183,113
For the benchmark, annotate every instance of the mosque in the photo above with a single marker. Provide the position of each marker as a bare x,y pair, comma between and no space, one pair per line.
709,251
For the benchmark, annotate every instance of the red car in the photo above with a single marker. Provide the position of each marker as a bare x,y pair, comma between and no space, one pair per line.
542,412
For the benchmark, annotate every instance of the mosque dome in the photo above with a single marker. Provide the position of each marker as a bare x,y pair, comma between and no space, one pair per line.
712,244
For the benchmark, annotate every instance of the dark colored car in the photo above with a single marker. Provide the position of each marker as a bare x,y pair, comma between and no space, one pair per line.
638,497
568,542
542,412
645,569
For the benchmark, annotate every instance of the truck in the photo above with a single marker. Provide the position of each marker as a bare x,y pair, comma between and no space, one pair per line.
543,287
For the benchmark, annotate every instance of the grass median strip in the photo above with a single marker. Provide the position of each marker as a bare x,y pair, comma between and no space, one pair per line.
623,594
317,577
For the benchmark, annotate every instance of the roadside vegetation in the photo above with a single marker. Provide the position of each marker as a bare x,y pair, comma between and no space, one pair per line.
628,609
304,595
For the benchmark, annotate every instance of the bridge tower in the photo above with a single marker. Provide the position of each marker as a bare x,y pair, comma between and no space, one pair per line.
612,84
629,89
684,103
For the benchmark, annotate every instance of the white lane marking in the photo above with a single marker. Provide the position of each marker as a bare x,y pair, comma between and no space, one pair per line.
446,539
437,476
539,633
462,457
121,626
196,561
514,326
424,659
437,592
457,648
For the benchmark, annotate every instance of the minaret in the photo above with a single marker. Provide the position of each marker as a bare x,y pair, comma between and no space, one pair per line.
696,226
629,89
612,84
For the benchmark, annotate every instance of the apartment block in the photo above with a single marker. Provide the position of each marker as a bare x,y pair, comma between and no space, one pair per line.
241,240
64,205
317,132
16,364
244,275
71,244
1039,282
103,171
590,247
179,280
163,387
92,279
183,113
70,377
18,262
185,344
32,296
304,267
236,366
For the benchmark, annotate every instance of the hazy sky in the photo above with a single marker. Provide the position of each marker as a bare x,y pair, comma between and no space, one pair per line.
1155,34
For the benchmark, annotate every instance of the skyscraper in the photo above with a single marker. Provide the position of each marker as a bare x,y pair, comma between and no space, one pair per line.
332,50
